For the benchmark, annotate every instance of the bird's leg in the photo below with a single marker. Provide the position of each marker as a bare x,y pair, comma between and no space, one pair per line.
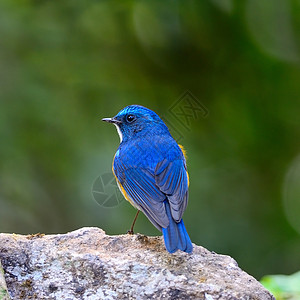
131,228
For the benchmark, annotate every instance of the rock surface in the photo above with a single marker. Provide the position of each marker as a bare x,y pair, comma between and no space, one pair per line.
88,264
3,289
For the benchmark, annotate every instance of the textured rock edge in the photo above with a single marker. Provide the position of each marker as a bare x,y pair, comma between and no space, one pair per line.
135,248
3,288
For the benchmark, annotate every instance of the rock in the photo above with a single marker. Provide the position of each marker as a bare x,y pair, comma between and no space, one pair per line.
3,289
88,264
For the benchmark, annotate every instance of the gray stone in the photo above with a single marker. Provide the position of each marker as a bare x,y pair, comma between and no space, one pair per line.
3,289
88,264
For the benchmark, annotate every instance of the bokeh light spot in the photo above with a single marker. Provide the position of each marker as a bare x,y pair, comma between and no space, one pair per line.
270,24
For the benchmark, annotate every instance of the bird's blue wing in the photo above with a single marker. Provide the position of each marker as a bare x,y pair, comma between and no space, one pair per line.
148,187
172,180
141,189
148,191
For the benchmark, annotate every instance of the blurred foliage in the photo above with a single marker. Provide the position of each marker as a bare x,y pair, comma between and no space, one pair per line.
66,64
282,286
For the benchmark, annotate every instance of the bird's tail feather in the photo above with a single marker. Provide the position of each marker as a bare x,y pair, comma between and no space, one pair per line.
175,235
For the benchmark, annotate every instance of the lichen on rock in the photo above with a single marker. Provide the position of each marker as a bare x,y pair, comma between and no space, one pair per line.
88,264
3,288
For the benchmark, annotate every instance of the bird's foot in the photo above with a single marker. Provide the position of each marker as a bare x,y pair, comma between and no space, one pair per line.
130,231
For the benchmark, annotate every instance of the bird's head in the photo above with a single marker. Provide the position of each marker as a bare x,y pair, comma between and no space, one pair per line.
137,120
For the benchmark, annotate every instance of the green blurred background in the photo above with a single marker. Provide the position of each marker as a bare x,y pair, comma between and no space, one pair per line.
64,65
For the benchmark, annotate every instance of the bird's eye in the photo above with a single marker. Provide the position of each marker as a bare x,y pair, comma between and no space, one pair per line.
130,118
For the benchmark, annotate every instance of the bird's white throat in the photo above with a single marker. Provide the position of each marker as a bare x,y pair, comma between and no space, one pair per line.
119,132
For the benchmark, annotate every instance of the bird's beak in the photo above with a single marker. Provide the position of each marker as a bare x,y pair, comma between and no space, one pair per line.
111,120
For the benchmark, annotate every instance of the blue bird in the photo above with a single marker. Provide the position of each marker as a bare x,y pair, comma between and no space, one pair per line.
150,170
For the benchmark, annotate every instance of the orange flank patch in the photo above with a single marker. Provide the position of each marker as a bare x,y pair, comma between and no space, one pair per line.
183,151
188,177
185,156
122,190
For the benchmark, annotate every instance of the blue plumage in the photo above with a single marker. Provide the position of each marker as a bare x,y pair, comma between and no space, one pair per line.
150,169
